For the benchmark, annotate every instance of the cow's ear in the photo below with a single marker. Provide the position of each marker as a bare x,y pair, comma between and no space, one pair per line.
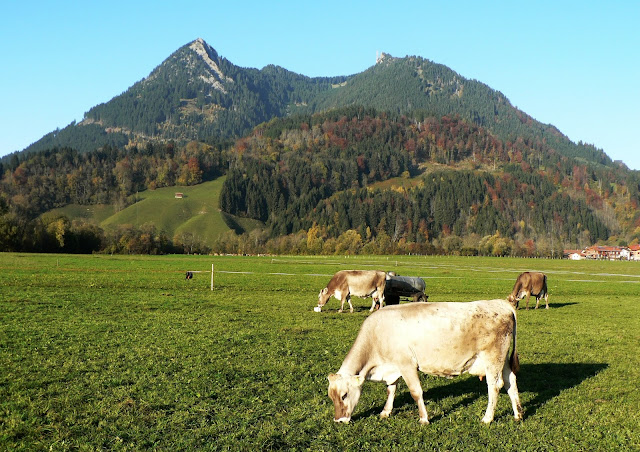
358,379
325,290
333,377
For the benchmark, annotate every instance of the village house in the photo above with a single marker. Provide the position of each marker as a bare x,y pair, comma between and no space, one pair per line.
634,251
607,252
574,255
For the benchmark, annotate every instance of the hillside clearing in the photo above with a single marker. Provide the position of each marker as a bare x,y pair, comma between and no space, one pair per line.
196,213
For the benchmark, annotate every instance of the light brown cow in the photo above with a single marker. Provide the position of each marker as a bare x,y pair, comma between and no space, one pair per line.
361,283
442,339
527,284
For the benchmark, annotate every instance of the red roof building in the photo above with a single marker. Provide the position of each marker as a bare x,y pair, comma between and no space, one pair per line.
607,252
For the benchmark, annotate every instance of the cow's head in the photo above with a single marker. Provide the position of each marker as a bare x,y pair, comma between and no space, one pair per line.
323,296
513,300
345,393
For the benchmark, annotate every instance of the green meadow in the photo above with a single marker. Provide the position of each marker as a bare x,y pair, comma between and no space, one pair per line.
122,353
197,212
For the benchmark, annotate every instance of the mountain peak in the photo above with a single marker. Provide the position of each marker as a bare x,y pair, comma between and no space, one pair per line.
208,56
201,47
380,57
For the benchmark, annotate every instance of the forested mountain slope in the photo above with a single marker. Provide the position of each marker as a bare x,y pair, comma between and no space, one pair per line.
195,94
388,181
398,179
415,86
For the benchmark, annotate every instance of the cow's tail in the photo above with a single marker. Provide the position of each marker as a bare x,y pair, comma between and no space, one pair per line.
514,362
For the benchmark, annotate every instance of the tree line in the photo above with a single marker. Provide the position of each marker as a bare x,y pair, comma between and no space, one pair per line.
59,234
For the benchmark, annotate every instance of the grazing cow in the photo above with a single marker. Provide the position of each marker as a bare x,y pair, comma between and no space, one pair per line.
442,339
361,283
404,286
527,284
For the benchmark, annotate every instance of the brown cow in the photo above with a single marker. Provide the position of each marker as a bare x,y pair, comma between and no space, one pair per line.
527,284
442,339
361,283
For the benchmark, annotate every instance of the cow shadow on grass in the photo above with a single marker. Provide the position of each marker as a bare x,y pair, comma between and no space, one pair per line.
544,381
551,306
561,305
548,380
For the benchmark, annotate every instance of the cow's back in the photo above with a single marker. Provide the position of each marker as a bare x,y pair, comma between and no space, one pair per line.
539,283
362,282
439,338
536,282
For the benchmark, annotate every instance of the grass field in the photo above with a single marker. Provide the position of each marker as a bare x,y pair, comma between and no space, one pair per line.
197,212
122,353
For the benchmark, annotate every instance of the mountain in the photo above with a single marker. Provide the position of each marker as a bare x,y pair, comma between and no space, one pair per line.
406,156
197,95
193,95
414,86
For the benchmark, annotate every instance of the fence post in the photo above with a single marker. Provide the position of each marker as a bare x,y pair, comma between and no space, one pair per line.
211,276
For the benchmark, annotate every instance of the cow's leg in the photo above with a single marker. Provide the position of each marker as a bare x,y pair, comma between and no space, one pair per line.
342,300
388,406
350,305
546,300
374,302
509,379
413,383
494,384
537,301
528,296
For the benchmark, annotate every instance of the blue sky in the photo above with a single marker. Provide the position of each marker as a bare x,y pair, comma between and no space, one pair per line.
573,64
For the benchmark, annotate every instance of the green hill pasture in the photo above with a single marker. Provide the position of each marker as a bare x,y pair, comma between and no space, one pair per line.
96,213
122,353
197,212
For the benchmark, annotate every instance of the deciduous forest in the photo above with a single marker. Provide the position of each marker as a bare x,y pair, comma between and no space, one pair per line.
351,180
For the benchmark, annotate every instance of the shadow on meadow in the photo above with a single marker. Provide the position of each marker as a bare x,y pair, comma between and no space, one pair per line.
550,379
545,381
532,306
560,305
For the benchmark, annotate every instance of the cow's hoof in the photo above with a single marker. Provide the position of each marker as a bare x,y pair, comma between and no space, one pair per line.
424,421
339,310
518,415
487,420
385,414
